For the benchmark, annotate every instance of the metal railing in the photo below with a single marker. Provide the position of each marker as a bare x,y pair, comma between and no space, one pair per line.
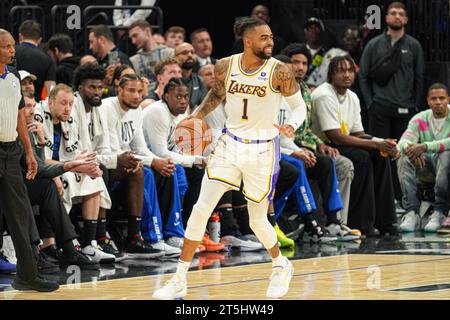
26,12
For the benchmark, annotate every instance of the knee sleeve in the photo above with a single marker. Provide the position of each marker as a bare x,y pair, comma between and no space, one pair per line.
260,224
196,225
210,195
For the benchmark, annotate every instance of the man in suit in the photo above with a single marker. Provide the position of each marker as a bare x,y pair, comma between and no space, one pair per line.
201,41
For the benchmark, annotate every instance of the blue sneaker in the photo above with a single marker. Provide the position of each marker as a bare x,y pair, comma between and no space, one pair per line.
6,267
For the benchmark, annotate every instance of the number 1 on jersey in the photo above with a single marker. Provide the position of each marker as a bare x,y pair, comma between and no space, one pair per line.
244,115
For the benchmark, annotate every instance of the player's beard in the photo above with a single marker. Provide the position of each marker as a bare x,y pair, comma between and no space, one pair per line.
130,106
261,54
93,102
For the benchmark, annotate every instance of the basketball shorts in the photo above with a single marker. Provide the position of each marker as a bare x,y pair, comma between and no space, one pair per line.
253,162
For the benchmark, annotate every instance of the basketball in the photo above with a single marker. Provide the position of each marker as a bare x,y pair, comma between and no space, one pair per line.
193,136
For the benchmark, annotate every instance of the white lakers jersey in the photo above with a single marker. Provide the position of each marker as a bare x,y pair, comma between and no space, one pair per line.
252,104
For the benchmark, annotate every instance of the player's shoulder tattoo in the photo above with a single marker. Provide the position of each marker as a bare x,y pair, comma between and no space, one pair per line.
285,79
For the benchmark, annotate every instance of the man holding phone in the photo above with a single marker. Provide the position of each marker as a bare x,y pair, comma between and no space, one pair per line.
101,43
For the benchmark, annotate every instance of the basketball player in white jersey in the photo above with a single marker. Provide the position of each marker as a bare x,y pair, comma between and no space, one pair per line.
252,83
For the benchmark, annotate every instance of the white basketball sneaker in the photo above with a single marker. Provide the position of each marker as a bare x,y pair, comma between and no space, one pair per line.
280,280
410,222
96,254
175,288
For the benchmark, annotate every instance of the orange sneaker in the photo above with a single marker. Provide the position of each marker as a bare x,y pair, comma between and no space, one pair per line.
211,245
201,248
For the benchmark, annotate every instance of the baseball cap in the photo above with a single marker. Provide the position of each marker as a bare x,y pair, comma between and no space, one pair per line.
316,21
25,74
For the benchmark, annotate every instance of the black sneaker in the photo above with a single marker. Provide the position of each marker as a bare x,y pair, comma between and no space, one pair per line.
371,233
314,233
44,265
78,259
52,253
138,249
389,230
37,284
108,246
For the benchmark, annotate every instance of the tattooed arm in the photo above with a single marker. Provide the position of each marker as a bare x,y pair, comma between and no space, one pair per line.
217,93
283,79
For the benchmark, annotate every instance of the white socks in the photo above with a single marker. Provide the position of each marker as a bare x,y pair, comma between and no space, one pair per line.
279,261
182,269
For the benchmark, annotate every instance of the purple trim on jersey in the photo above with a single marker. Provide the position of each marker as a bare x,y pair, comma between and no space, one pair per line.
276,167
247,141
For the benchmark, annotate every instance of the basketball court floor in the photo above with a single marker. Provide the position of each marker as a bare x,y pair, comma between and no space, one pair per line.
415,266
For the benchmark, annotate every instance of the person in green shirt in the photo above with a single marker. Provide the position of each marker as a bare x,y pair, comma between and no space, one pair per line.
425,158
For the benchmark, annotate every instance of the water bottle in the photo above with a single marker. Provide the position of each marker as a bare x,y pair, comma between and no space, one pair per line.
214,227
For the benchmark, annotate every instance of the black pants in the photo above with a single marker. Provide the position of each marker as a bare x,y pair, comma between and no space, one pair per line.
53,220
194,177
322,172
386,122
16,209
371,192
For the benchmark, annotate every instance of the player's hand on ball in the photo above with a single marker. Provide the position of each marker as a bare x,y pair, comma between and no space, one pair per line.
286,130
165,167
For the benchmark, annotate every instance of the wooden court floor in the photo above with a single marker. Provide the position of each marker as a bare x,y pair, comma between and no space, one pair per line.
352,276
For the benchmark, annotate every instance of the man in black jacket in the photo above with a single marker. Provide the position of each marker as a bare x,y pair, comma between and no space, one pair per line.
59,47
30,58
392,104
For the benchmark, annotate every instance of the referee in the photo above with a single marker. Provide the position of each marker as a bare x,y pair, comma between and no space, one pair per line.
14,201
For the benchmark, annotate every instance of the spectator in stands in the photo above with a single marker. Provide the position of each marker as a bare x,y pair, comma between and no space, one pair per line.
125,18
425,158
85,183
27,82
164,71
33,60
304,137
88,59
392,91
261,12
101,43
318,158
59,47
159,39
353,44
149,53
185,54
43,192
119,167
201,41
315,42
336,119
175,36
